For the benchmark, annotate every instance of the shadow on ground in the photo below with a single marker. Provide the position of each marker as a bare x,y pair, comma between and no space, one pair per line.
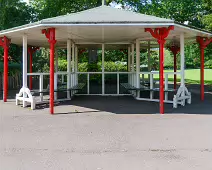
128,105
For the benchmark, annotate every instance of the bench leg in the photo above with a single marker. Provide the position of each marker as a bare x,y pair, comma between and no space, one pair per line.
33,104
189,99
16,100
175,101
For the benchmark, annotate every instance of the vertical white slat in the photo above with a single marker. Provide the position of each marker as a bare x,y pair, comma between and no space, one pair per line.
118,83
182,63
149,59
151,85
88,83
55,85
103,69
129,64
56,75
68,67
72,66
56,60
25,61
166,86
138,66
182,59
41,87
143,78
24,67
133,65
133,57
76,65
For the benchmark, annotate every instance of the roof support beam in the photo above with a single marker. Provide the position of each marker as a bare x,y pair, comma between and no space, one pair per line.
161,34
5,43
203,43
175,49
50,35
31,51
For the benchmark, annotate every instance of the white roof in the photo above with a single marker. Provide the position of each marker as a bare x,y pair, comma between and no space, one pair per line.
106,14
100,25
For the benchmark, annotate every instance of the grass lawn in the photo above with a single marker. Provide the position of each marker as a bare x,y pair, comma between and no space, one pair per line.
192,76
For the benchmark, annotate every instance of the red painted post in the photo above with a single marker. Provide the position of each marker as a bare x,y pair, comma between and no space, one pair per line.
160,34
175,50
175,70
5,42
31,50
30,70
161,44
50,34
6,50
203,43
202,49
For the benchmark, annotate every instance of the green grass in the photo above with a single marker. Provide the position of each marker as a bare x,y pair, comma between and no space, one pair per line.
192,76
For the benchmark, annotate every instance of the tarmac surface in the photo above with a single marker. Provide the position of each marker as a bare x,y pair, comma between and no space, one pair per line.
107,133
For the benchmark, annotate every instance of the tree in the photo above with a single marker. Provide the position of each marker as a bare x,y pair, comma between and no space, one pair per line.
14,13
49,8
208,17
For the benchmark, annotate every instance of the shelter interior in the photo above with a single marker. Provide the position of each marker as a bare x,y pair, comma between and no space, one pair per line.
97,31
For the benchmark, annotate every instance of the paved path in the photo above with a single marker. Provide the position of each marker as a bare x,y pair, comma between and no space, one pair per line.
98,134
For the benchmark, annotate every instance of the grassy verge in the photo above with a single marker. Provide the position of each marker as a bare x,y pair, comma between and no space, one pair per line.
192,76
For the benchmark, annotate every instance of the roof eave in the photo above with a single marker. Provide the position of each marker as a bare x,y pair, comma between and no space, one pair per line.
192,28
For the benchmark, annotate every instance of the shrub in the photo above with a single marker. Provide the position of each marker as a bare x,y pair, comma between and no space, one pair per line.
13,68
208,64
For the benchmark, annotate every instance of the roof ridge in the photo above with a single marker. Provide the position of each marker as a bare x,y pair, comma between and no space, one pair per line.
104,7
138,13
74,13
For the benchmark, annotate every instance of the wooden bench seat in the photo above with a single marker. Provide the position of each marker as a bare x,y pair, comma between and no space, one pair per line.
158,89
79,86
130,87
143,88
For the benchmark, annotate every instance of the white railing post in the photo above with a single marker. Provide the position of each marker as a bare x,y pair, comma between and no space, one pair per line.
118,83
143,75
138,66
56,60
73,64
88,83
55,85
182,62
103,69
63,78
24,67
68,67
133,57
151,85
41,87
76,65
129,64
149,60
166,86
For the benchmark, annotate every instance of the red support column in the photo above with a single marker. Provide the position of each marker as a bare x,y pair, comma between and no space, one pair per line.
5,43
203,43
160,34
50,35
175,50
31,51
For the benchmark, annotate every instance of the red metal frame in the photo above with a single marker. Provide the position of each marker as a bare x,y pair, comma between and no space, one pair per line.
31,51
203,43
50,35
160,34
5,43
175,50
